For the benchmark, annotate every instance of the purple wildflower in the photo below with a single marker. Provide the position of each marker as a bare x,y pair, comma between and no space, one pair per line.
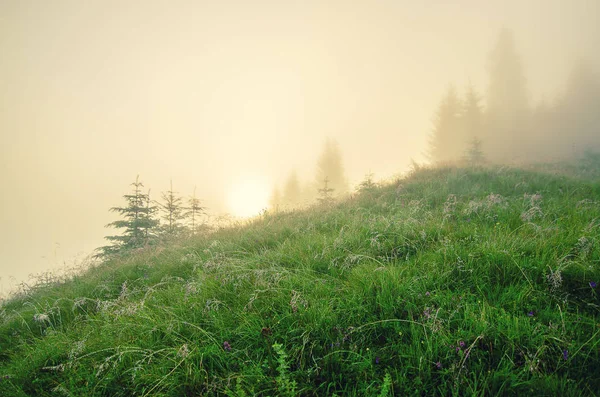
438,365
461,343
593,284
427,293
565,354
226,346
427,313
530,314
376,360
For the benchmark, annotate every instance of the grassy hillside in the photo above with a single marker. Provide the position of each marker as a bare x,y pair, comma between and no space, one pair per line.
449,282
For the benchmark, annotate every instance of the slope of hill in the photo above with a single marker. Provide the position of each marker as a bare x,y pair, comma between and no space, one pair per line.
450,281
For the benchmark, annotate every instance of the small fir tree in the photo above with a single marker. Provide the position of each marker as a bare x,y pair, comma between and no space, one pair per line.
472,115
137,223
367,185
507,112
474,154
325,193
194,211
445,141
172,211
330,166
150,228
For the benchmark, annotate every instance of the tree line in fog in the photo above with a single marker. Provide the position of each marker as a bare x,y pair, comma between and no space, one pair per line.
145,221
329,181
511,129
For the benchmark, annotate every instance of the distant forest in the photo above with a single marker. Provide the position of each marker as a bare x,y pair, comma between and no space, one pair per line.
510,129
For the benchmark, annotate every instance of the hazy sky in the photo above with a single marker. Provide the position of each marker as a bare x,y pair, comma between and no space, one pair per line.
213,93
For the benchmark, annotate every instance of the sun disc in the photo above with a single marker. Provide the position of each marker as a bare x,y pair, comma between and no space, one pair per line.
248,197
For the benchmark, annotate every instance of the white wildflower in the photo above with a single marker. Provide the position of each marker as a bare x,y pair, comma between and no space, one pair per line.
450,205
213,304
495,199
473,207
76,349
79,303
183,351
554,279
190,289
41,318
124,290
531,214
297,301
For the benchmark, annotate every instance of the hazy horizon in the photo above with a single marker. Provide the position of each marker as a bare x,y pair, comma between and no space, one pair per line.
213,95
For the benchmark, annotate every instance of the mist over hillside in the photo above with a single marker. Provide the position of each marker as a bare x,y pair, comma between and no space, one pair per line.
235,97
449,281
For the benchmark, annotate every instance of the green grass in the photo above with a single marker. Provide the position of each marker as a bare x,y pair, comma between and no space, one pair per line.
448,282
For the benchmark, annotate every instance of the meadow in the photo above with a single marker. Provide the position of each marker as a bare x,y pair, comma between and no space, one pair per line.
449,281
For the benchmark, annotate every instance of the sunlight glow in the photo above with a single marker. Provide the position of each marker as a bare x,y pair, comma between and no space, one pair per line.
248,197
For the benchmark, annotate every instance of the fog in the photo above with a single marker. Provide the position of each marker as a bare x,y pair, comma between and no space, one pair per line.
213,95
